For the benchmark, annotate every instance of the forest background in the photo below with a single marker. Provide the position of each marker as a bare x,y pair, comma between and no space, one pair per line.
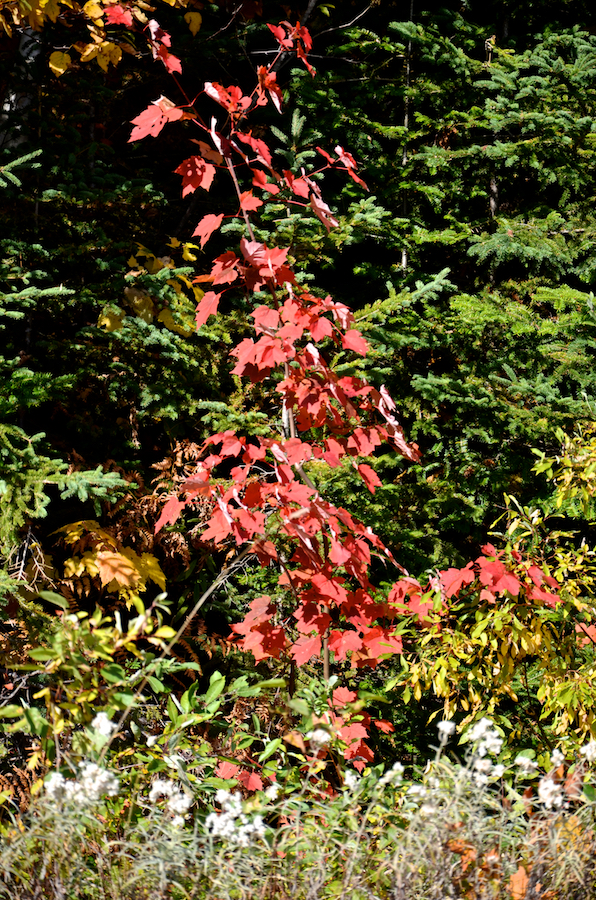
468,264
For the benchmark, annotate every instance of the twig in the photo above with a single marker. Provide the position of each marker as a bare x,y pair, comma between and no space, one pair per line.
348,24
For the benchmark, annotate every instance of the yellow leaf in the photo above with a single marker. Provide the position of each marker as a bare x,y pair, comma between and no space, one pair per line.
167,319
114,566
5,26
165,632
111,319
186,253
108,53
93,10
50,8
59,62
89,52
147,568
140,303
194,20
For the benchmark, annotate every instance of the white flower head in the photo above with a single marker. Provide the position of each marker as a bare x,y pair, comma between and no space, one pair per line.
588,751
103,725
550,793
446,728
393,776
55,786
319,737
271,792
525,764
478,731
417,790
427,809
179,802
351,780
161,787
556,759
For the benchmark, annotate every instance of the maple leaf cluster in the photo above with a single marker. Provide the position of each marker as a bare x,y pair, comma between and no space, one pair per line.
261,496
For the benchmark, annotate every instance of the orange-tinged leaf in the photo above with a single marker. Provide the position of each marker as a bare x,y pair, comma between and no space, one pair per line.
305,648
195,173
169,513
518,884
113,566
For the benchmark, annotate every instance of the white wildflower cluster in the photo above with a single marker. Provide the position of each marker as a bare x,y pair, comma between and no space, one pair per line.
526,764
550,793
88,788
102,724
231,824
178,802
351,780
417,790
556,759
393,775
319,737
484,770
486,741
272,792
446,729
485,737
588,751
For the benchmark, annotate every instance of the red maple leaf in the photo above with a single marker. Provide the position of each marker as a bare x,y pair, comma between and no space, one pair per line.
226,770
249,202
325,154
262,152
353,340
260,180
268,82
342,696
207,307
454,579
281,36
322,212
207,226
305,648
195,173
370,477
298,186
384,725
171,62
152,120
118,15
170,512
250,780
342,642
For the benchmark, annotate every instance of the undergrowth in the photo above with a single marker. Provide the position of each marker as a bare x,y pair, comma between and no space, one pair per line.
471,828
